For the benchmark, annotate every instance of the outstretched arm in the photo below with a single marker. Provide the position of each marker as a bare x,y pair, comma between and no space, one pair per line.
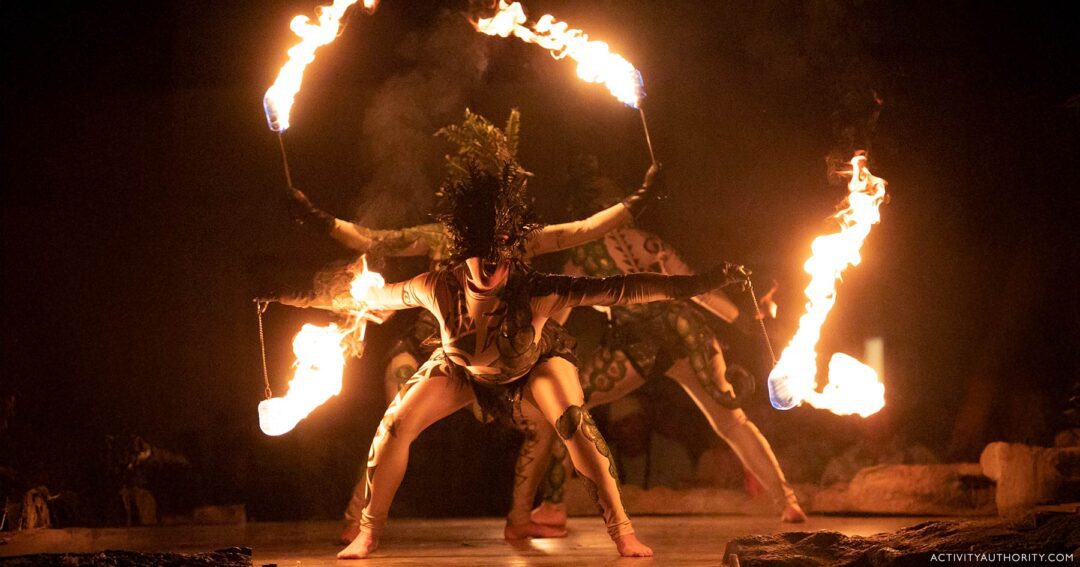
714,301
312,300
557,237
417,292
568,235
554,293
416,241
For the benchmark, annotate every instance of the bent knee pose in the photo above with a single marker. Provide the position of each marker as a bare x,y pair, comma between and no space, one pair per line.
673,339
480,141
491,310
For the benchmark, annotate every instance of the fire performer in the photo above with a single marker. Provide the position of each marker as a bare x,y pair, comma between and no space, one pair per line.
477,139
644,341
491,309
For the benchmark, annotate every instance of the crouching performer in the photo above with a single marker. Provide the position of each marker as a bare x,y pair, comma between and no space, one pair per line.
491,310
477,140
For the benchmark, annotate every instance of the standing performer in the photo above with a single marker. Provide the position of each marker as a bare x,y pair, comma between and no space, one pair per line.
644,341
491,310
478,141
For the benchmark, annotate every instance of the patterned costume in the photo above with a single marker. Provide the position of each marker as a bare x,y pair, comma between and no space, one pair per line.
492,338
646,340
492,316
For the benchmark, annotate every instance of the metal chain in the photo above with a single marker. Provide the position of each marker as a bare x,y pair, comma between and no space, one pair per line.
260,308
761,320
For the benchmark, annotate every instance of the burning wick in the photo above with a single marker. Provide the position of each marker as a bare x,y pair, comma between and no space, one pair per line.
596,62
853,388
279,98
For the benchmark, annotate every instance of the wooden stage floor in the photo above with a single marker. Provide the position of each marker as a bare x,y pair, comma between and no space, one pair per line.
677,540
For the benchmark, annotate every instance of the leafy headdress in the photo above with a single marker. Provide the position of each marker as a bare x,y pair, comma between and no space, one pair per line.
483,203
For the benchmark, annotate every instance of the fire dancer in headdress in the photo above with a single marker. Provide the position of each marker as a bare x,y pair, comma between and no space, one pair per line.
491,310
480,142
644,341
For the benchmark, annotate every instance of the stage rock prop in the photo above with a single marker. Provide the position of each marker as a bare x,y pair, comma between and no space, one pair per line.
1028,476
230,557
1046,533
915,490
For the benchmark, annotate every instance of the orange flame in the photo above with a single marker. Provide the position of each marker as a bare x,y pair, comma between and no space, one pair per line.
853,388
279,98
596,62
320,359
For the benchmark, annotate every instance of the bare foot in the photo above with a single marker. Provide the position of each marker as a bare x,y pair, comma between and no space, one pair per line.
793,514
550,514
349,533
532,530
364,544
629,546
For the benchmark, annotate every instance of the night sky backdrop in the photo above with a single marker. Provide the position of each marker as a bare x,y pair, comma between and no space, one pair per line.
143,207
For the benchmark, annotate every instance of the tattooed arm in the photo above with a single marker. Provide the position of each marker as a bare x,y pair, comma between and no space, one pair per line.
570,234
415,241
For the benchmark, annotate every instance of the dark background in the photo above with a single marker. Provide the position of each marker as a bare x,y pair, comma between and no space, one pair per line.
142,210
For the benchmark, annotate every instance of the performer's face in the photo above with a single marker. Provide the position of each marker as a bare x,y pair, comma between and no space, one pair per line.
497,236
486,276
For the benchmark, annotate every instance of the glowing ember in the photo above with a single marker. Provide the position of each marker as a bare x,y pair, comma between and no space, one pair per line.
596,62
853,387
279,98
320,360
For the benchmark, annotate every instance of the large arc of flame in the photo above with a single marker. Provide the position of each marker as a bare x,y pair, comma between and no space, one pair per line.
313,34
596,62
320,360
853,387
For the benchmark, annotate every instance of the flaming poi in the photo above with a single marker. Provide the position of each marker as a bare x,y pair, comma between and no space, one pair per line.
596,63
320,351
853,387
313,34
320,358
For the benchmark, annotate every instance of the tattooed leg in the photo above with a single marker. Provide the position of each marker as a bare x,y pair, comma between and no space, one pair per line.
555,389
552,510
402,366
528,472
741,434
426,399
607,376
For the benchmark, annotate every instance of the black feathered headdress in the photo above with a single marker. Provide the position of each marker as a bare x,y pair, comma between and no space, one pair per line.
483,204
486,215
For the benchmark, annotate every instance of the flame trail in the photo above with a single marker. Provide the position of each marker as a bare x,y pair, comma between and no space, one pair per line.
320,359
596,62
279,98
853,388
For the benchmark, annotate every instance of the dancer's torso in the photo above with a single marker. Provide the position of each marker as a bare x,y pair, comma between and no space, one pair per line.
481,333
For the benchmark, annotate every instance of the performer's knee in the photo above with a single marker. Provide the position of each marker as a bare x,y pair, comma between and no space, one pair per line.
570,421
